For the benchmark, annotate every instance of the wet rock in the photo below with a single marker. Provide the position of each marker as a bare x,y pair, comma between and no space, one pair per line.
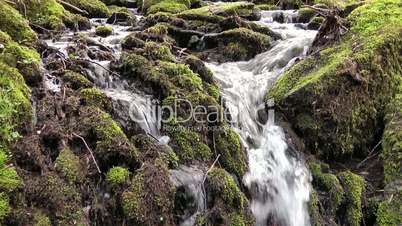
122,18
305,15
132,42
104,31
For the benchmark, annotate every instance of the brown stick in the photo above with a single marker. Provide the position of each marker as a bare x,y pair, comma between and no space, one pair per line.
369,155
90,151
72,7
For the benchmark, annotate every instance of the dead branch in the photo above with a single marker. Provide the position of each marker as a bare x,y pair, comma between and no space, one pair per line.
90,151
100,65
72,7
205,177
370,155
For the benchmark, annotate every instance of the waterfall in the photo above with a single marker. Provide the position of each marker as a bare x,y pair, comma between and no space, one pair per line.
278,180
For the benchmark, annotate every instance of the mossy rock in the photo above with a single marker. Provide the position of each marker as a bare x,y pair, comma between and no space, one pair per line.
227,204
305,15
354,187
97,98
68,164
45,13
117,175
4,206
233,157
16,25
318,85
267,7
104,31
168,6
76,80
389,210
150,198
315,23
155,51
25,59
198,66
41,219
95,8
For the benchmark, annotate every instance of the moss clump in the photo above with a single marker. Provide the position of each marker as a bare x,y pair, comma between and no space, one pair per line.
76,81
104,31
392,139
233,158
9,179
68,164
15,25
97,98
160,29
155,51
41,219
169,6
117,175
149,200
328,182
95,8
354,188
45,13
305,15
314,210
267,7
328,82
198,66
225,200
4,206
389,211
187,144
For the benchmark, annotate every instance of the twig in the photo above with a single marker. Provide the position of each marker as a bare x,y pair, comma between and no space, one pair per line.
205,177
72,7
152,136
90,151
100,65
369,155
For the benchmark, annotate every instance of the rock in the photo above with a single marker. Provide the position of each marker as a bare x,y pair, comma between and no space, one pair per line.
104,31
305,15
121,18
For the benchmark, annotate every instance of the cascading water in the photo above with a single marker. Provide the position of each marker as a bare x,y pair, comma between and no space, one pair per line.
132,108
279,182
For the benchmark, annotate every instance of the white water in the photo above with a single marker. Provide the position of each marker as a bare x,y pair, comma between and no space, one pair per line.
131,106
279,183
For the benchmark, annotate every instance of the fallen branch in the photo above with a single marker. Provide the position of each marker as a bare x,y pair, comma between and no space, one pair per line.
369,155
72,7
90,151
205,177
100,65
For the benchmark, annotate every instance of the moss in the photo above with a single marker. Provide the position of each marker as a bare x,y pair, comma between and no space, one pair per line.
15,25
315,23
305,15
335,3
117,175
198,66
213,91
95,97
15,106
187,144
215,12
267,7
354,188
68,164
41,219
76,80
104,31
149,200
233,159
155,51
329,183
95,8
389,211
45,13
327,82
314,209
158,29
4,206
235,51
169,6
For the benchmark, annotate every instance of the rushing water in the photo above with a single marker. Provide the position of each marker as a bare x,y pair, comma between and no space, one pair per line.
278,180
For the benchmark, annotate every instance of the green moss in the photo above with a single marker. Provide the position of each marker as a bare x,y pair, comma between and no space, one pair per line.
169,6
117,175
354,188
235,51
15,25
104,31
149,200
389,211
158,29
329,82
213,91
155,51
233,159
267,7
187,144
335,3
45,13
68,164
95,97
329,183
41,219
314,209
95,8
4,206
76,80
306,14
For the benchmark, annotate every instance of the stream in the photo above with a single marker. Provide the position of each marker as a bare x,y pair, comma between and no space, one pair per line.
278,179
